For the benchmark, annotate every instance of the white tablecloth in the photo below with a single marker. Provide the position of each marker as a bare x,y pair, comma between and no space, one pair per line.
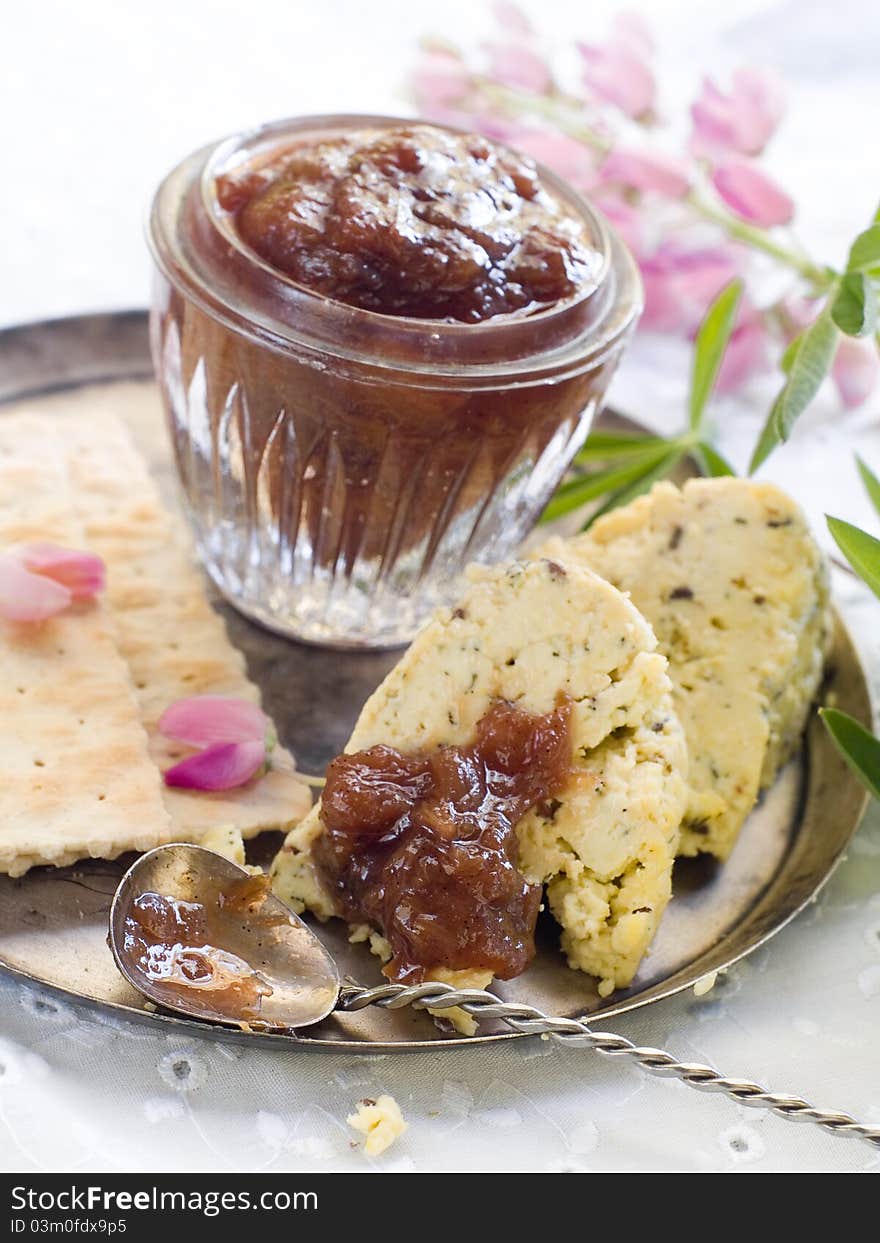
97,100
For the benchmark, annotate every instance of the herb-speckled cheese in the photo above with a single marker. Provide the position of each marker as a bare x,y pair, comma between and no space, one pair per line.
729,576
607,843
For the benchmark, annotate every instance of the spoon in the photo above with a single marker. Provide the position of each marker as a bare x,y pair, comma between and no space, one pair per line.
264,969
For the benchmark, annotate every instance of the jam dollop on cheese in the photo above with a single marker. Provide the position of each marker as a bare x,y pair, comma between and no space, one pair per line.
423,846
413,221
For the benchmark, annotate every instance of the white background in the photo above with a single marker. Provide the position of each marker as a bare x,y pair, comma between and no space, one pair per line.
97,100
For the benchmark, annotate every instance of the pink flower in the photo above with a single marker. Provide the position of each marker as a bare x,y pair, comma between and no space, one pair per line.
746,351
440,80
618,73
855,371
223,766
752,194
743,121
233,737
680,283
513,63
41,579
647,171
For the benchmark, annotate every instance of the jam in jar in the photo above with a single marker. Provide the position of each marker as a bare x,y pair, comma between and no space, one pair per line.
379,345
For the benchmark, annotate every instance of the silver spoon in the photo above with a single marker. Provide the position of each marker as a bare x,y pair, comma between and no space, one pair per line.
274,945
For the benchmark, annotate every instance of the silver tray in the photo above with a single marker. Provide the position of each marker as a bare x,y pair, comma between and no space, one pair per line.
53,921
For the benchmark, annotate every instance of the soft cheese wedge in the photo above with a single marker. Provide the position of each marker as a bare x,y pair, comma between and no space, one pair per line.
605,844
727,573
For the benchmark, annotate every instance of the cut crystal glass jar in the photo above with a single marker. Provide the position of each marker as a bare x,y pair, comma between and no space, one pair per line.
341,467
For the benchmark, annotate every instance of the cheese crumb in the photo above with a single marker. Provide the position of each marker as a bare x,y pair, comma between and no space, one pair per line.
380,1121
225,840
705,984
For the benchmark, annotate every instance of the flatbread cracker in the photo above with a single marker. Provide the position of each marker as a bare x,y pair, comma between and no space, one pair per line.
76,779
173,641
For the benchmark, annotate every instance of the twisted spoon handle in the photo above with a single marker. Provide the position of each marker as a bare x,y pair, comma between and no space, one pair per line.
532,1022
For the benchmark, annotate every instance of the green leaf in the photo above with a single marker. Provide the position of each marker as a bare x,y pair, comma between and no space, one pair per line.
788,354
603,446
576,492
769,438
861,550
864,254
809,366
854,308
857,745
711,462
871,482
638,486
709,348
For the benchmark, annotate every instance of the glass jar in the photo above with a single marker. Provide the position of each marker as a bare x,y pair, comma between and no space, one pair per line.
341,467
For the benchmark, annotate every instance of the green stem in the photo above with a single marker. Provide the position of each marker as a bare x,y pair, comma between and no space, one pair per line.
758,239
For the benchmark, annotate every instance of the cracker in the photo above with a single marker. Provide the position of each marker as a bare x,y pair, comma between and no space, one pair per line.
168,633
76,778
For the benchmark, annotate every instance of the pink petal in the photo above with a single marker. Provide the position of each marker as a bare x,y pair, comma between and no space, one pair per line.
512,18
760,107
28,597
566,156
742,121
82,573
746,352
680,283
619,75
626,220
223,766
440,80
752,194
647,170
204,720
631,30
855,371
514,64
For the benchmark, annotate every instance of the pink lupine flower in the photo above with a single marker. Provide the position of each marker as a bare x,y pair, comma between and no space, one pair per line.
619,73
29,597
752,194
856,371
741,121
513,63
82,573
233,737
203,720
41,579
222,766
680,283
647,171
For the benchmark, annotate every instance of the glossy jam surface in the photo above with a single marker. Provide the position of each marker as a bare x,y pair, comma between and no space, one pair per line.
413,221
423,846
171,941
